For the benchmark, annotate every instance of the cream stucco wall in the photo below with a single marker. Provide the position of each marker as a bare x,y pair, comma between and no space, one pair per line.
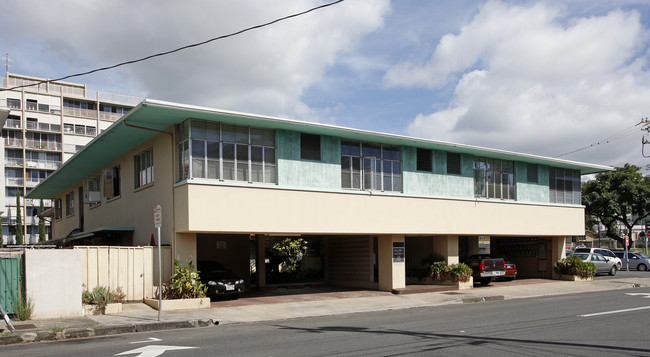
134,207
53,282
223,208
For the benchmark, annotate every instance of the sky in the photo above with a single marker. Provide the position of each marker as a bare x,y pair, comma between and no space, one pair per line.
567,79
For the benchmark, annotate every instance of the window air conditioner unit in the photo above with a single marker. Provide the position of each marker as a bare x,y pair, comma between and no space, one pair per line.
92,197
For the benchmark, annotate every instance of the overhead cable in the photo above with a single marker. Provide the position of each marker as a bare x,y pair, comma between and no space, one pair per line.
619,135
177,49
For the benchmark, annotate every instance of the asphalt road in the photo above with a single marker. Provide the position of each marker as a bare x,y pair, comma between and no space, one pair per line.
625,274
549,326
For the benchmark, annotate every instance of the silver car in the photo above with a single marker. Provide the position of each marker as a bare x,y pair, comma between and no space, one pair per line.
608,254
636,261
602,264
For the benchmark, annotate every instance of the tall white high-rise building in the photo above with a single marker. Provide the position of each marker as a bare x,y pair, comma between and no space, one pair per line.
46,124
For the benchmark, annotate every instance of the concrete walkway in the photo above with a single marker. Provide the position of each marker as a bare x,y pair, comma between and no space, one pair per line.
294,303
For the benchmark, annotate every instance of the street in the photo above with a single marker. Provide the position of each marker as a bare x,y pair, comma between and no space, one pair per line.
594,324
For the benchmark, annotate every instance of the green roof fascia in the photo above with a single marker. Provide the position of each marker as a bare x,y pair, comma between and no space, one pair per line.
130,131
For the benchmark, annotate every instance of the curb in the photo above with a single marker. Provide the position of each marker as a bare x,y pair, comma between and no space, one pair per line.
475,299
74,333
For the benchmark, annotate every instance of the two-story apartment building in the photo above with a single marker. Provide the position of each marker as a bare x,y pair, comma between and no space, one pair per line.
369,205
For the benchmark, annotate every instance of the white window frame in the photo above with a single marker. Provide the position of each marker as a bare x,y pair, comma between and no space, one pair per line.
144,168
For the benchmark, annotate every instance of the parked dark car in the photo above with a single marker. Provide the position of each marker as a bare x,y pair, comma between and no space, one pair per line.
485,268
220,280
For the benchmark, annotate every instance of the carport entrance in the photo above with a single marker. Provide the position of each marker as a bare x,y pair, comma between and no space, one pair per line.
268,260
532,255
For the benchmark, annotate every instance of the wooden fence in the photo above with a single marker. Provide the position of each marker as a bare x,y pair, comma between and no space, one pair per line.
133,269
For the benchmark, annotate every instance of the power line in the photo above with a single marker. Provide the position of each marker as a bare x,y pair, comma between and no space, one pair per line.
177,49
619,135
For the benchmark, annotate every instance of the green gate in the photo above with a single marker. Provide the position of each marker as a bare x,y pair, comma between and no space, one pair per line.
9,280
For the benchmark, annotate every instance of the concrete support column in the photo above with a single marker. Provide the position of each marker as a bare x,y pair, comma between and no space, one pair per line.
472,245
447,247
558,251
260,259
185,248
392,268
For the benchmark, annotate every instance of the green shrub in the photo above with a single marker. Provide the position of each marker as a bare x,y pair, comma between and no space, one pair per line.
23,309
425,269
435,267
573,265
460,272
185,283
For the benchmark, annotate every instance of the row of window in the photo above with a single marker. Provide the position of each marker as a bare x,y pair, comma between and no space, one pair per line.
111,187
33,105
78,129
225,152
240,153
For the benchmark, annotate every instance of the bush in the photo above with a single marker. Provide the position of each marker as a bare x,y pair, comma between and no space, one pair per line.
185,283
23,309
460,272
436,268
573,265
101,296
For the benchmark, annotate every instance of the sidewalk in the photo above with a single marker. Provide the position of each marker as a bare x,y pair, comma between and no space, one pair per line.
298,303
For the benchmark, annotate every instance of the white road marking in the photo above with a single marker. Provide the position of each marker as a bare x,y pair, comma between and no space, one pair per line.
615,311
645,295
151,339
153,350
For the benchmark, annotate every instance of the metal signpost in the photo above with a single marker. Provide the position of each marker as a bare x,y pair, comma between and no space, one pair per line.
627,249
647,231
157,222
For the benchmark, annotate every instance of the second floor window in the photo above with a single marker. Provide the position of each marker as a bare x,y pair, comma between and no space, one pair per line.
370,166
112,182
424,159
310,147
144,168
69,203
226,152
494,178
564,186
57,208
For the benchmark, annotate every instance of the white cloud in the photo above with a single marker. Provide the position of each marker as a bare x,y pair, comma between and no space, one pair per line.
264,70
533,79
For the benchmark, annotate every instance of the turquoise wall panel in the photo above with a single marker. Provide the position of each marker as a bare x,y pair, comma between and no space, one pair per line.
326,173
296,173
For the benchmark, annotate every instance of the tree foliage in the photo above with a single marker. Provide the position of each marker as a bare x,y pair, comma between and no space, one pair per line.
293,249
619,196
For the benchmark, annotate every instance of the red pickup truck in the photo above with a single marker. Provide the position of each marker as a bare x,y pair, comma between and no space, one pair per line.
486,268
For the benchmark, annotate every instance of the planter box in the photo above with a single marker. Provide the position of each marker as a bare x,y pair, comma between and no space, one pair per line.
429,281
114,308
180,304
574,278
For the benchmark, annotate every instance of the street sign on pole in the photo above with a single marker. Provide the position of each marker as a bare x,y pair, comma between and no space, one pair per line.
157,222
157,216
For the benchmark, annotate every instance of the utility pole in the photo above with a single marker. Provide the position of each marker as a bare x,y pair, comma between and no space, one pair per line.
644,140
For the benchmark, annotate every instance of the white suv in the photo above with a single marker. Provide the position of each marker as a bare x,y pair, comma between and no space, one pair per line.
608,254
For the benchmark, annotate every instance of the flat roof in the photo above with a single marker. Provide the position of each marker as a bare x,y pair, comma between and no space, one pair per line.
131,130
